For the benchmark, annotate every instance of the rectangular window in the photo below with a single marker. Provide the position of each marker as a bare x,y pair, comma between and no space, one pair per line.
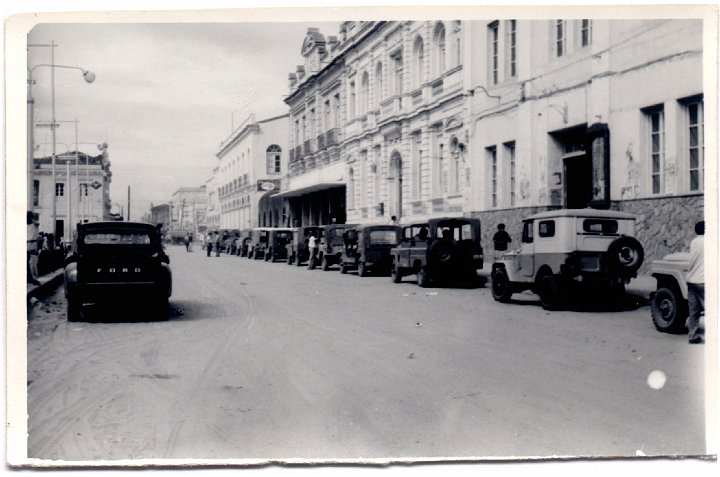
492,158
695,145
36,193
83,191
656,123
512,48
277,163
493,41
327,124
559,38
59,189
510,155
352,100
585,32
546,228
398,68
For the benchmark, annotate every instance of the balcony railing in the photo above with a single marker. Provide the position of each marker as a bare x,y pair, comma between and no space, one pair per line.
332,137
292,155
321,142
298,152
309,146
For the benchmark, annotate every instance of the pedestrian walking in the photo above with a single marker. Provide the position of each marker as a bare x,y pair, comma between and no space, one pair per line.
313,249
209,244
696,284
32,247
187,242
217,244
501,239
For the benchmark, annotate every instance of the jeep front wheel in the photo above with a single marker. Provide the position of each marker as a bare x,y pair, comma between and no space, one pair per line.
501,286
669,310
549,291
362,269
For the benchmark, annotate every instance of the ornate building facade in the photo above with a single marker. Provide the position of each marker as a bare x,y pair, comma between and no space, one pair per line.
397,121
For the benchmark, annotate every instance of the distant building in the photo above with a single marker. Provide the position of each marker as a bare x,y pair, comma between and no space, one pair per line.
81,191
188,210
161,214
247,179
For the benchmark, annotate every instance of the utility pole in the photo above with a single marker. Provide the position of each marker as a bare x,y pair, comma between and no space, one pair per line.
128,215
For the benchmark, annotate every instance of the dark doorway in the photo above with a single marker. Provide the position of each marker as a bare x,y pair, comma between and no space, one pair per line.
578,181
60,229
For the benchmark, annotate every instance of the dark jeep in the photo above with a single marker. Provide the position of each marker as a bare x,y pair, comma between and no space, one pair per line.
117,263
258,242
442,249
297,250
367,248
278,240
331,244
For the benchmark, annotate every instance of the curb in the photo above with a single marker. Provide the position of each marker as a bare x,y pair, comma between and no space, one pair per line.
47,283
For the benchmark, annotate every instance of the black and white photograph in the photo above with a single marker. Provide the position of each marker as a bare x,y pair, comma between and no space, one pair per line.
362,236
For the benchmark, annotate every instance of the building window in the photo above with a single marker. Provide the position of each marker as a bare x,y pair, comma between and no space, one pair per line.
419,52
656,126
398,73
585,32
559,38
455,165
364,93
695,144
512,48
493,39
327,125
351,189
378,83
510,155
59,189
458,42
83,191
352,100
363,178
273,156
491,153
36,193
439,49
336,112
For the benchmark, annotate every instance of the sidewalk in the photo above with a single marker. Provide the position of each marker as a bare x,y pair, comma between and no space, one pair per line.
47,283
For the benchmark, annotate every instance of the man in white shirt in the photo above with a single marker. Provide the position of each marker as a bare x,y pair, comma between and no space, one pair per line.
696,284
312,248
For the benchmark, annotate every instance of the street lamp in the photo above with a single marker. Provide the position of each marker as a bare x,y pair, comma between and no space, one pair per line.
89,77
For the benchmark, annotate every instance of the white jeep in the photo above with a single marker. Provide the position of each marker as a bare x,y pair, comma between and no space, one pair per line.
570,250
669,302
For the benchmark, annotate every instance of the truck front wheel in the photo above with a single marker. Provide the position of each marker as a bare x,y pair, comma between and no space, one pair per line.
669,310
501,286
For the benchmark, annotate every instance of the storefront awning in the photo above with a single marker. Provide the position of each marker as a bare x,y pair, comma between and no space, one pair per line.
310,189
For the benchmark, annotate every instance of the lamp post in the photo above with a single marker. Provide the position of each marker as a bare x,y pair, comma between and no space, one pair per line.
89,78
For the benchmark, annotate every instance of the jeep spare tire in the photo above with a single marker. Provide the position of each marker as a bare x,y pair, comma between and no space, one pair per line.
625,256
442,253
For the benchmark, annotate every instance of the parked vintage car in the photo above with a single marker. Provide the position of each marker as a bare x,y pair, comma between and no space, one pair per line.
244,242
367,248
278,239
669,302
258,242
332,244
441,249
297,250
117,263
564,251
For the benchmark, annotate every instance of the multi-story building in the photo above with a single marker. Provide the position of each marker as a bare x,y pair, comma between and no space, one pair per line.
161,215
81,191
587,113
394,121
246,180
212,215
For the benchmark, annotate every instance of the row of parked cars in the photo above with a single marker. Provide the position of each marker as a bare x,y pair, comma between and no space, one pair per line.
562,254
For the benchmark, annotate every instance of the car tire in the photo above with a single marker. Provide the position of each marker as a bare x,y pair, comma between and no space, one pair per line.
669,310
441,253
290,260
501,287
268,254
549,290
74,310
162,309
423,279
343,269
325,264
362,269
625,255
395,274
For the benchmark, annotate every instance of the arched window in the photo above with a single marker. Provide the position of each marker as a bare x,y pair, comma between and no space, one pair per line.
455,165
419,56
273,156
378,83
439,53
364,93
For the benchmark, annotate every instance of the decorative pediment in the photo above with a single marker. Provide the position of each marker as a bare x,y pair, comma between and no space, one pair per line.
452,123
313,39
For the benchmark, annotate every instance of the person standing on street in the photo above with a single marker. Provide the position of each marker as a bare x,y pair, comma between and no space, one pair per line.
696,284
217,244
501,239
209,244
32,247
312,248
187,242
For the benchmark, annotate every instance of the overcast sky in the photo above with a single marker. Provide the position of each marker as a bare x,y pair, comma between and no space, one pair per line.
165,95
